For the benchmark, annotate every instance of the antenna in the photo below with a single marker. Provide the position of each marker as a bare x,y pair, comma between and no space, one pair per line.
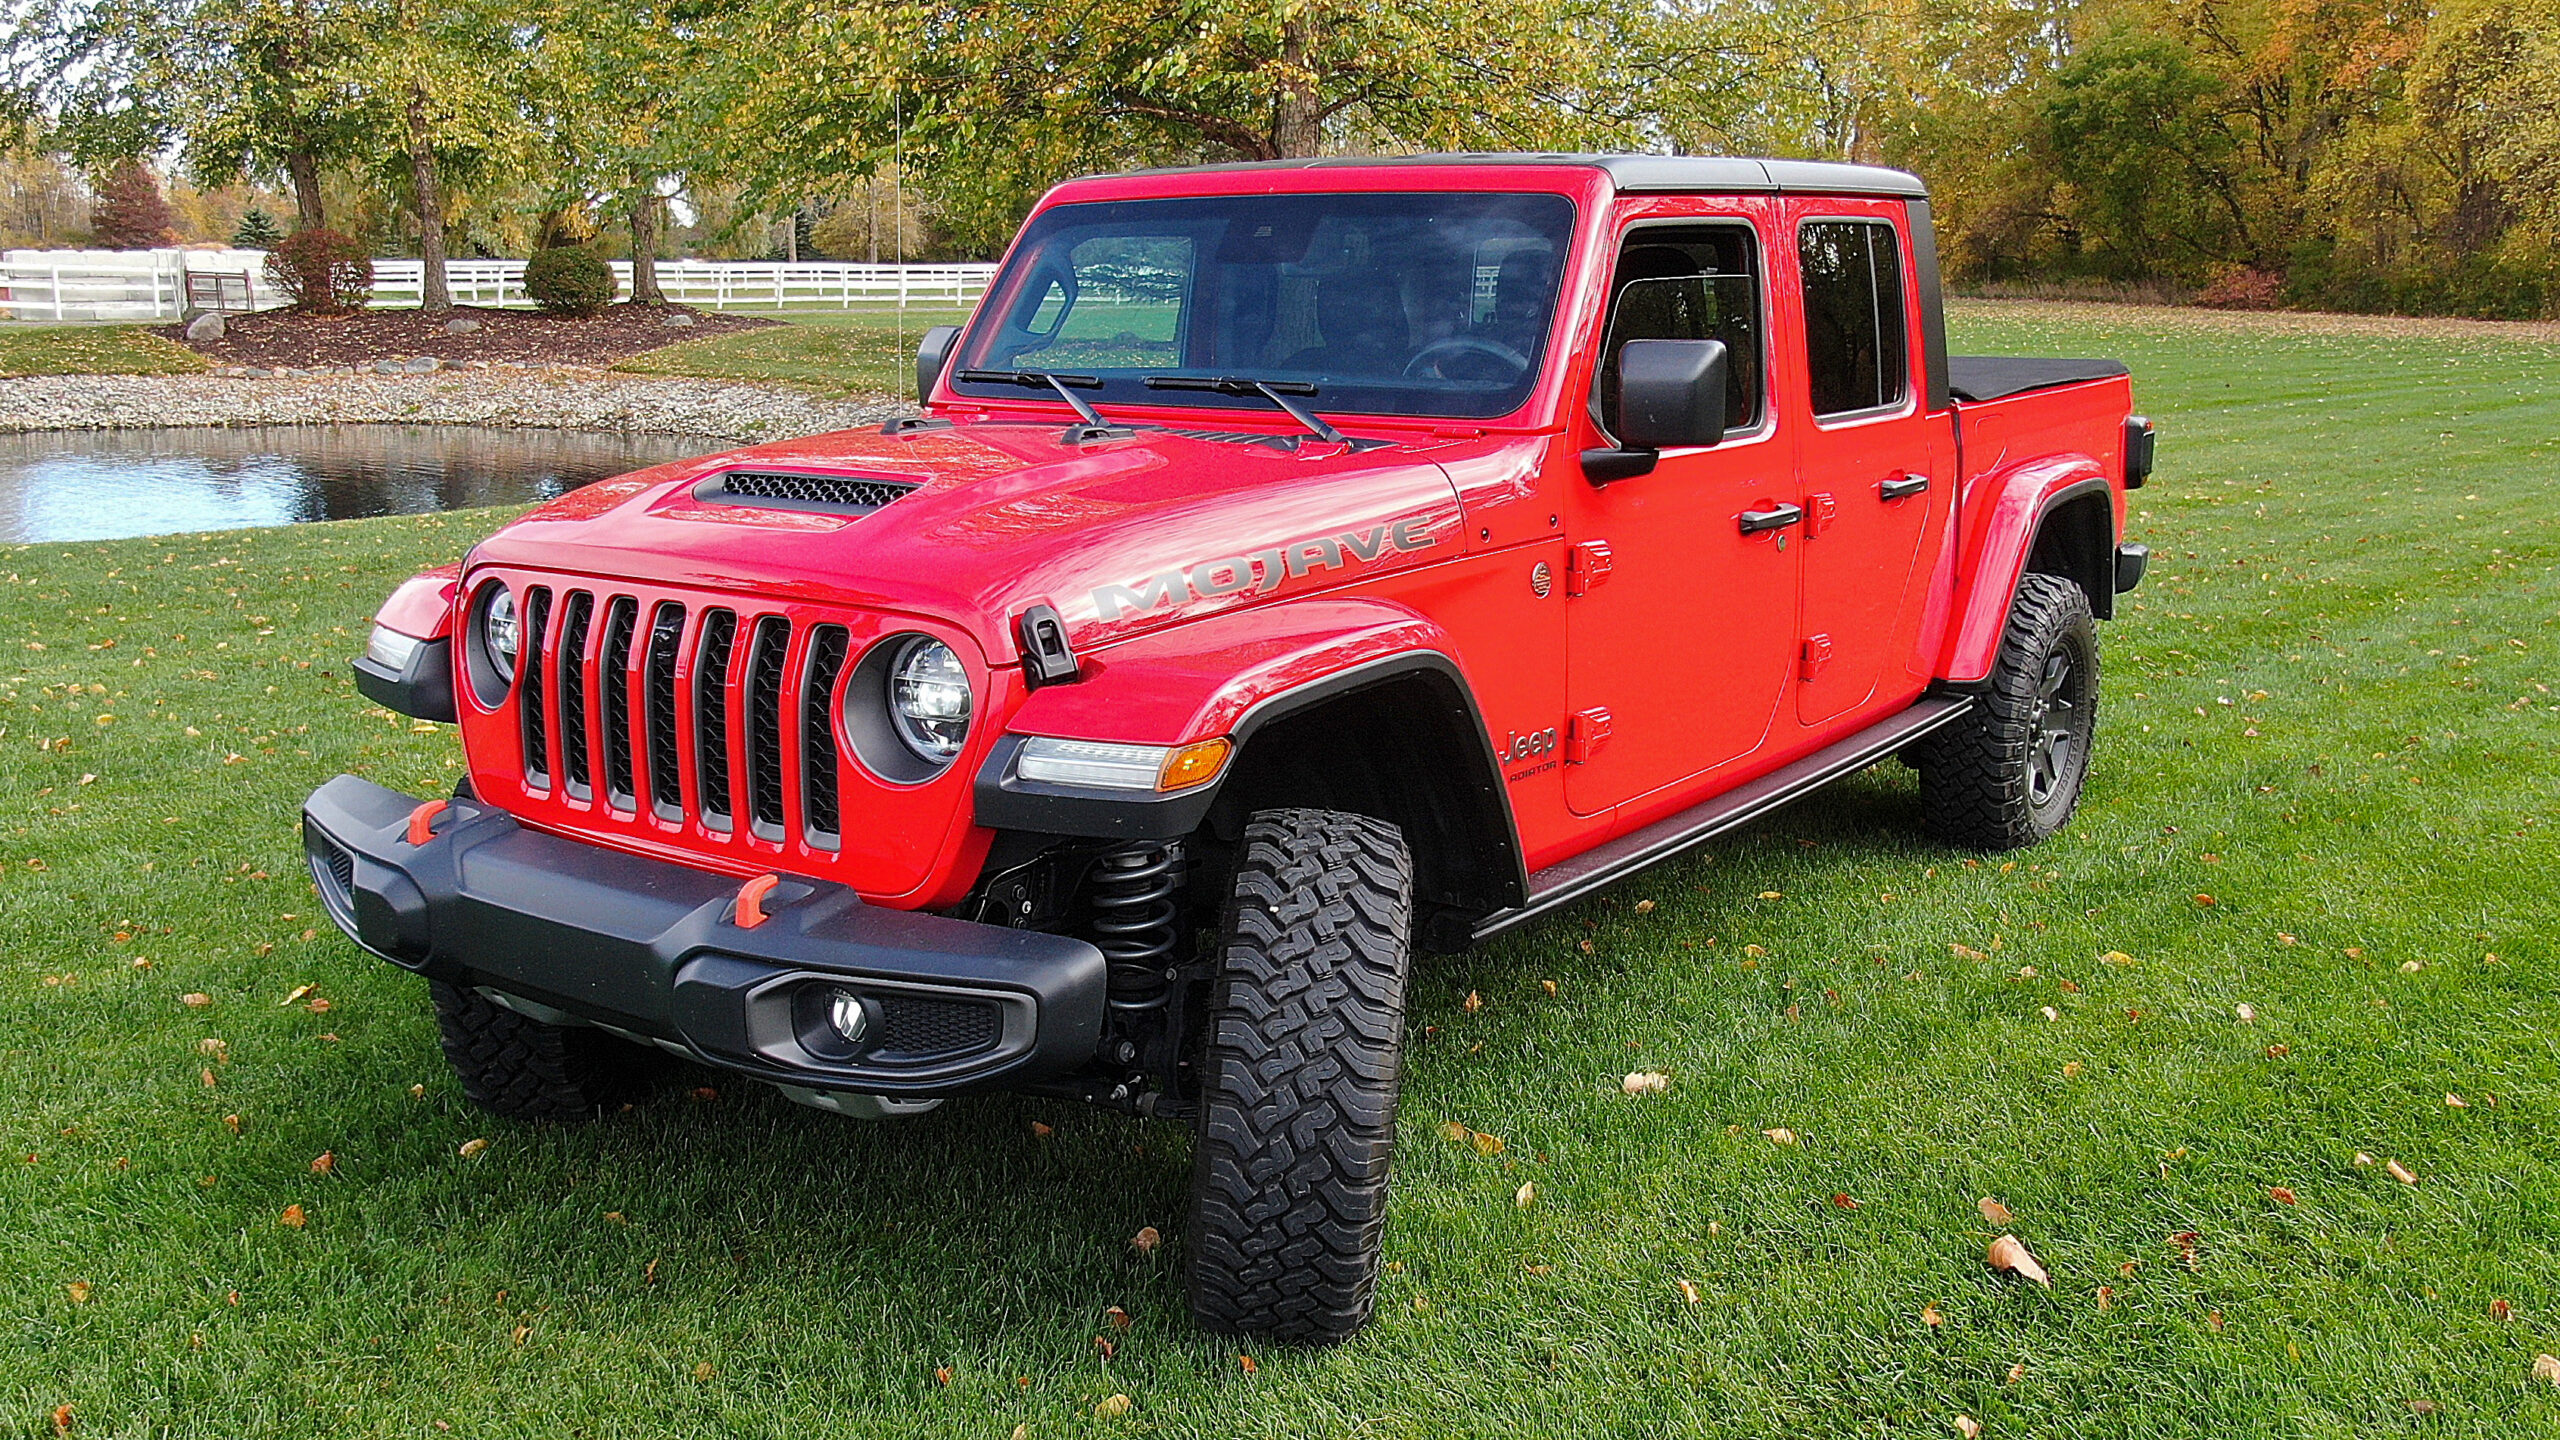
897,220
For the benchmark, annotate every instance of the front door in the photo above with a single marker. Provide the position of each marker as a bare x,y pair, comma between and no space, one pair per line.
1681,626
1877,478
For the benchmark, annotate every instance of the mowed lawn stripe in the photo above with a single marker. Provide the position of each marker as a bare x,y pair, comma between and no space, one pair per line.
2353,559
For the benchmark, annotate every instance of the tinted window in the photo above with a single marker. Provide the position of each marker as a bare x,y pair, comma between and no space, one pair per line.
1428,304
1688,284
1853,333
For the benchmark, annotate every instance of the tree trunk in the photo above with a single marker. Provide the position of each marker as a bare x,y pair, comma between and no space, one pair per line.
644,250
302,167
791,238
435,296
1297,120
871,214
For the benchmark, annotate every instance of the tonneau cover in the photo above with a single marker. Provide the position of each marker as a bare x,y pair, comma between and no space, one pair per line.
1990,377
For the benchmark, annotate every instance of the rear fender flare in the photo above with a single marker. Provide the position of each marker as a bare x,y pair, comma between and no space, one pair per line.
2041,514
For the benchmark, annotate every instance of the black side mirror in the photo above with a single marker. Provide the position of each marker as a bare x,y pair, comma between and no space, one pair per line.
1671,395
932,354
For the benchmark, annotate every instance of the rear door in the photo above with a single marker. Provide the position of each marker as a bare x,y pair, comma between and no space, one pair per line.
1681,628
1877,473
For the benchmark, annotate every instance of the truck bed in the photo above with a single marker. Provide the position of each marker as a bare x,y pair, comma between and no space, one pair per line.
1993,377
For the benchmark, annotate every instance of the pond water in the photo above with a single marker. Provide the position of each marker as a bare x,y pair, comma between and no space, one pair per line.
107,484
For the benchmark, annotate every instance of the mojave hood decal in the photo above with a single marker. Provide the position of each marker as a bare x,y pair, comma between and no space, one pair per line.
1259,572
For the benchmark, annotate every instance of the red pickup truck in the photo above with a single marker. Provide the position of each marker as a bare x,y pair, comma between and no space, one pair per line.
1298,566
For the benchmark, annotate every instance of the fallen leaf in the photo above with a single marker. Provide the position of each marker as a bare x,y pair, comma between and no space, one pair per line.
472,1147
1548,985
1485,1144
2455,1102
942,1375
1967,1426
1113,1407
1245,1363
706,1093
1755,952
2016,1374
1645,1082
215,1048
2205,900
1843,1202
2411,967
1993,1212
326,1163
2071,1069
2401,1173
1040,1131
1146,1240
2546,1367
1773,895
1780,1136
1526,1195
195,1000
2278,1052
79,1292
2363,1159
61,1420
2106,1297
417,1092
2009,1253
2050,1013
298,992
1930,1317
703,1371
292,1218
2248,1013
2280,1195
617,1217
1473,1003
1118,1317
1688,1291
1109,1350
1966,952
1453,1132
231,1123
1644,907
2501,1310
519,1333
2213,1318
2115,957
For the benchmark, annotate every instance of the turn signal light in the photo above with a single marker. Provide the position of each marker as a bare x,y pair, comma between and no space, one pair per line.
1193,764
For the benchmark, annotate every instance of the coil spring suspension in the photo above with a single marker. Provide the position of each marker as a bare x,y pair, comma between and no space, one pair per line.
1136,920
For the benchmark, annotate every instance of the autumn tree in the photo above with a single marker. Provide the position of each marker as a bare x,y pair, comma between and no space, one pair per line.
443,77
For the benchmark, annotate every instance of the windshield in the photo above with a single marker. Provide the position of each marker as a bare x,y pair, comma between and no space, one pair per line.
1425,304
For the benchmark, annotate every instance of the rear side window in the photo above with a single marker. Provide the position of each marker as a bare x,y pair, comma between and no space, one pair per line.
1854,343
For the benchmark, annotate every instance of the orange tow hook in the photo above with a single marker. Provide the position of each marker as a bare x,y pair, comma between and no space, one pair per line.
751,900
422,821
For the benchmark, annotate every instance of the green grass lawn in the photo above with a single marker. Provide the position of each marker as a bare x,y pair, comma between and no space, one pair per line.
2330,709
93,350
849,352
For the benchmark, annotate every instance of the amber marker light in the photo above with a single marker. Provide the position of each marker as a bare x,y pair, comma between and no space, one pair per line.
1193,764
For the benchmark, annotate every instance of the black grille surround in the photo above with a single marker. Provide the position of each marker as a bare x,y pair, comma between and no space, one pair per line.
711,716
820,815
536,713
764,725
917,1027
797,490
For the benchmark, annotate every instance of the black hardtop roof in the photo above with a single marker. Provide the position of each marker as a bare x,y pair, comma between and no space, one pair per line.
1637,174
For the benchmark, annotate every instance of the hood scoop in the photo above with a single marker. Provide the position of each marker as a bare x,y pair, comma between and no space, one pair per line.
814,490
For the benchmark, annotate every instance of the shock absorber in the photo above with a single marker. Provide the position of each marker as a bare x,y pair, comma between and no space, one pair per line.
1136,920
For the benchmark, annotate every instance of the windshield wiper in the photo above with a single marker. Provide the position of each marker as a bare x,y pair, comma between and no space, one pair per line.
1275,391
1036,379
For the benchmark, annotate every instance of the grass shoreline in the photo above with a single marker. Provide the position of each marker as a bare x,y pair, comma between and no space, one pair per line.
2329,708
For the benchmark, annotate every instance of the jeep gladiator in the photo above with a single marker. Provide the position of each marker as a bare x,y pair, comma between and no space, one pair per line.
1296,567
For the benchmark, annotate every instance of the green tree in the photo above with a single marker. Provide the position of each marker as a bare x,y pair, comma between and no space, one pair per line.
2155,170
258,230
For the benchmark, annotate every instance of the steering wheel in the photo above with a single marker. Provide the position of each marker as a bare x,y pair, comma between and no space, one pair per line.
1428,362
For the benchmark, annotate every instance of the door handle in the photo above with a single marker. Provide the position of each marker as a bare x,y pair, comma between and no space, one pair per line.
1755,521
1902,487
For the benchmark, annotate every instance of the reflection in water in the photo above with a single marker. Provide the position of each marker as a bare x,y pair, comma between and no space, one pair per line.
106,484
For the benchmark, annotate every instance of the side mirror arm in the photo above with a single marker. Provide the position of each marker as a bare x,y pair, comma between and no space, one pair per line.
1603,464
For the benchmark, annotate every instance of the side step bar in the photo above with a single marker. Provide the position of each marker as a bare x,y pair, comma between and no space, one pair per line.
1569,880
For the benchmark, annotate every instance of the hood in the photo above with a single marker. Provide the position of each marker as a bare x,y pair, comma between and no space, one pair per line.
1120,536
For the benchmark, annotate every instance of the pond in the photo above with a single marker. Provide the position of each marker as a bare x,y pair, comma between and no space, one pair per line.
108,484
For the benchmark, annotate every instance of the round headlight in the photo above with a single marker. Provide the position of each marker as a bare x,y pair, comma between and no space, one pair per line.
929,699
499,632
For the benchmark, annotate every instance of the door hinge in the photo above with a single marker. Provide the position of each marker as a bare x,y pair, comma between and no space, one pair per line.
1586,567
1816,654
1820,512
1588,731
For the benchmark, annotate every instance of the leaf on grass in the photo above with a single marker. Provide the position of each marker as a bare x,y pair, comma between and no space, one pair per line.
1042,1132
2363,1159
2009,1253
1993,1212
2247,1012
2071,1069
2501,1310
472,1147
1454,1133
326,1163
2455,1102
1773,895
61,1413
1526,1195
1967,1426
1113,1407
2213,1319
2280,1195
2205,900
1843,1202
1473,1003
1930,1317
195,1000
2547,1368
1109,1350
703,1371
942,1375
231,1123
1245,1363
2016,1374
1780,1136
1118,1318
215,1048
1485,1144
298,992
1644,907
79,1292
2106,1297
2401,1173
1645,1082
1688,1291
2278,1052
417,1092
292,1218
520,1333
2050,1013
1966,952
1146,1240
1549,986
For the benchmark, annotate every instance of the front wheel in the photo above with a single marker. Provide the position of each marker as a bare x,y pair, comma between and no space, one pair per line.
2010,774
1298,1084
513,1065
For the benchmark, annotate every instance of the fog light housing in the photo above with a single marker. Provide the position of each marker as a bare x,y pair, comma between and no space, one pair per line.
848,1017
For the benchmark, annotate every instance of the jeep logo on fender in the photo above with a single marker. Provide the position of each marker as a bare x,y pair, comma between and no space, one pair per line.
1261,572
1517,747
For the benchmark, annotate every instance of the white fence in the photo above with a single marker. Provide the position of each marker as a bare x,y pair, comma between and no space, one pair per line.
148,285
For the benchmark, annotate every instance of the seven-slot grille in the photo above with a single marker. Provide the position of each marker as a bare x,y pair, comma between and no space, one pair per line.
607,698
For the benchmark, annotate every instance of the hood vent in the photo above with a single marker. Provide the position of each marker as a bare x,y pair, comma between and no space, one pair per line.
801,490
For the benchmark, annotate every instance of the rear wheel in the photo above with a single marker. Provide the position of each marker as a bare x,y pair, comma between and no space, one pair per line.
513,1065
1299,1078
2011,773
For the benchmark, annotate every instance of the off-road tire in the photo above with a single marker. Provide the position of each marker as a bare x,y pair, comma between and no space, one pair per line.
519,1067
2009,774
1299,1077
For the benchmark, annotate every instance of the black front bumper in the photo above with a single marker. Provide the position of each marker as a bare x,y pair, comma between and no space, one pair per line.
654,950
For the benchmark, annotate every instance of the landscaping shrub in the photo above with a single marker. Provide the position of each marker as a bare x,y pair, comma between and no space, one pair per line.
568,280
321,271
2238,287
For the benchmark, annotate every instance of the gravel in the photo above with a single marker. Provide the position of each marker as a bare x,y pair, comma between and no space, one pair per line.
552,398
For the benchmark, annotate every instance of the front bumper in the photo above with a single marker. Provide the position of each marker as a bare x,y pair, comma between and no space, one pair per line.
654,950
